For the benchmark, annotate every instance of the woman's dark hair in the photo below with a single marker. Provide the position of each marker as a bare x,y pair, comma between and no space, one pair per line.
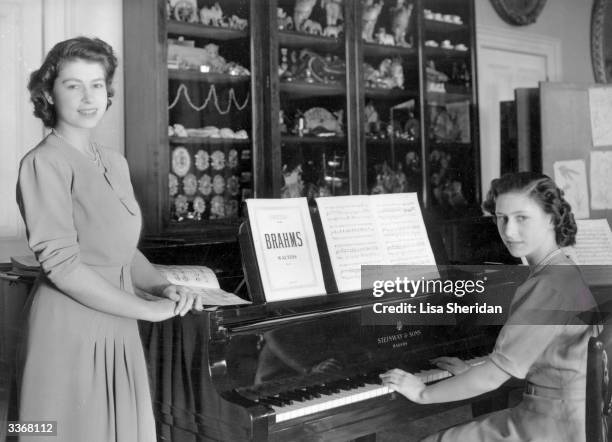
79,48
543,191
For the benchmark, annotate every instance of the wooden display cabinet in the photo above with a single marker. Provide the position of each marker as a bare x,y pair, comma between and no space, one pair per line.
326,111
194,115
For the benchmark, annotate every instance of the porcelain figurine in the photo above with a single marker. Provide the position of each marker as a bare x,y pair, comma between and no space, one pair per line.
401,20
301,12
312,27
333,11
370,14
211,16
333,31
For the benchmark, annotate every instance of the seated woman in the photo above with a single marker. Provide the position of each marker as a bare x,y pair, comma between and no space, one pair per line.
543,341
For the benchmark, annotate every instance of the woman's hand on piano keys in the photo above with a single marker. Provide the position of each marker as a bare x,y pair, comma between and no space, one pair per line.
404,383
451,364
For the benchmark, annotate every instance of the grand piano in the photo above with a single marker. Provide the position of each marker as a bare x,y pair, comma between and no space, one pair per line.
304,369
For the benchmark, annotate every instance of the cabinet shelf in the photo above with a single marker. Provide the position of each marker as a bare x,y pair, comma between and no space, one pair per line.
450,145
187,75
303,89
376,142
208,140
300,40
394,93
447,97
442,26
309,139
380,51
430,51
203,31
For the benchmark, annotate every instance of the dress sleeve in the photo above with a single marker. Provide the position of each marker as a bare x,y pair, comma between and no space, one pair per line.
45,201
532,326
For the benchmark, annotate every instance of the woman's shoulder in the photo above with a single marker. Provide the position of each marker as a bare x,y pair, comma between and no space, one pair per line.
47,151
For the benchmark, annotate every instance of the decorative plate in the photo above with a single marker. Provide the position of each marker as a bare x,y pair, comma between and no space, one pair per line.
218,184
199,205
205,185
172,184
202,160
181,161
232,158
519,12
190,184
218,160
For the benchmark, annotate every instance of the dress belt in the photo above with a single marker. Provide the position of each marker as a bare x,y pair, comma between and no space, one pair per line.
555,393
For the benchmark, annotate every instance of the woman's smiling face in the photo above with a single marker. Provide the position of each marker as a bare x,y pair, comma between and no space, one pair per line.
524,227
80,95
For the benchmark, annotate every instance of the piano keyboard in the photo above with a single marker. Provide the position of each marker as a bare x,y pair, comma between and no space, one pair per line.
338,397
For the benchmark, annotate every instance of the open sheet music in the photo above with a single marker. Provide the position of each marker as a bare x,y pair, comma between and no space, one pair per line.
593,250
373,230
285,248
201,280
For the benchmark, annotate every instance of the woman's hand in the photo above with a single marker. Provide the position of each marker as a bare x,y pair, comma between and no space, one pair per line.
160,310
405,384
184,298
453,365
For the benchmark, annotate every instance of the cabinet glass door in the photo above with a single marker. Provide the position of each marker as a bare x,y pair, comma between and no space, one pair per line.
450,103
312,93
391,90
209,111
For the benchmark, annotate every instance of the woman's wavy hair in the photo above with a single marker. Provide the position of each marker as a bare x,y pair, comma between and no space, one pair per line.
543,191
79,48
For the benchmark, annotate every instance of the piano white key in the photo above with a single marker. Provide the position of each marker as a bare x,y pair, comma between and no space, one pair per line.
346,397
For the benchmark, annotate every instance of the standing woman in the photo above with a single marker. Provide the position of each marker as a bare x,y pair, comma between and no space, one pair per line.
84,365
542,341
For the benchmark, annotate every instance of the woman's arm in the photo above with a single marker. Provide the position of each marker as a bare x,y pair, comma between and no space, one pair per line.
473,382
92,290
145,277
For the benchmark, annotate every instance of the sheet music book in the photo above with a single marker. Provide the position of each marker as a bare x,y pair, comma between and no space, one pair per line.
285,248
385,229
593,250
593,243
201,280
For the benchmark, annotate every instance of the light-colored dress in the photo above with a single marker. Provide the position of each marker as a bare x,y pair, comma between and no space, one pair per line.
545,342
82,368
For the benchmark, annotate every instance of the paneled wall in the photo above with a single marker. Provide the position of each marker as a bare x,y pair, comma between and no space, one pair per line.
28,29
